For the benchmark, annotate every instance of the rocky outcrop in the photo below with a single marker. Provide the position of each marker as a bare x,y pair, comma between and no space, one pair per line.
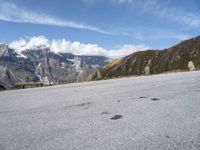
191,66
147,62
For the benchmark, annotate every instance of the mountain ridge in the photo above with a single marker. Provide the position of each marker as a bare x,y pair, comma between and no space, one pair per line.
174,58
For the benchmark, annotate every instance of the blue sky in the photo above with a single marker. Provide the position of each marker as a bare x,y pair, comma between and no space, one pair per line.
108,24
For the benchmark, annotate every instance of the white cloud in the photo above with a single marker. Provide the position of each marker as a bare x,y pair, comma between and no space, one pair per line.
32,43
180,16
191,19
161,34
18,45
66,46
165,9
127,50
10,12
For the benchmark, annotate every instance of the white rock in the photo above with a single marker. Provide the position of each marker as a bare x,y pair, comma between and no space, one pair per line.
147,70
191,66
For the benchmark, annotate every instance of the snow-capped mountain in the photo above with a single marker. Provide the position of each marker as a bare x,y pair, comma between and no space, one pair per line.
40,62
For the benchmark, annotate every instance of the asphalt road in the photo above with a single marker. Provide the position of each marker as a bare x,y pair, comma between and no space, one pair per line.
151,112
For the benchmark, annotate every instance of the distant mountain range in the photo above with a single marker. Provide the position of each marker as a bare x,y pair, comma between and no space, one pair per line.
181,57
40,62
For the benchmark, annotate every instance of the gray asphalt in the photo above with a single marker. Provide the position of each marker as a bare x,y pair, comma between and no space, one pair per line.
150,112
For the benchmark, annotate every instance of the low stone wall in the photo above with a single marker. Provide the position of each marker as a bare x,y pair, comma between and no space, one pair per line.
23,85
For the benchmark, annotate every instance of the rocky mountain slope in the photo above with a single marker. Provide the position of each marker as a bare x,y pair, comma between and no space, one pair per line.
181,57
39,63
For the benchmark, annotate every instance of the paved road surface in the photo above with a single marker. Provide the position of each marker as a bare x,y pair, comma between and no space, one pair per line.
153,112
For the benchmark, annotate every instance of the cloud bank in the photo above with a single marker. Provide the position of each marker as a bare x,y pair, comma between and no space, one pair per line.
75,47
10,12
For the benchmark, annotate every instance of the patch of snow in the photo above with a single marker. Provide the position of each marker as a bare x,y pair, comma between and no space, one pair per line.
39,65
56,53
37,73
77,64
20,55
95,66
72,60
79,75
39,76
62,65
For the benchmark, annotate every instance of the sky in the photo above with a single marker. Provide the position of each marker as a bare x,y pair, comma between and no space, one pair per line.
113,28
